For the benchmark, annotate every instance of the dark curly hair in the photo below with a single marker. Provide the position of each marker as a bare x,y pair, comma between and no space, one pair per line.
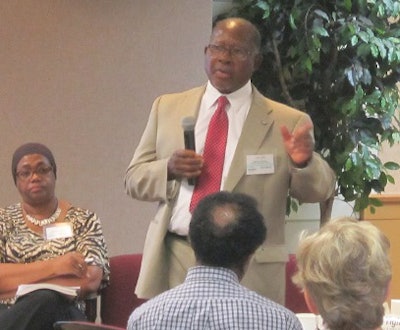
226,228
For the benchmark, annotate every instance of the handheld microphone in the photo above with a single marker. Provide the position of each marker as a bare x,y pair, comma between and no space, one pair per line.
188,124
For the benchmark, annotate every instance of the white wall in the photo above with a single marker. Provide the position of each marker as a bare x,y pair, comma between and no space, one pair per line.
80,76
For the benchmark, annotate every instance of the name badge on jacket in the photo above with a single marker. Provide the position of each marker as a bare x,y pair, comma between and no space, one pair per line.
260,164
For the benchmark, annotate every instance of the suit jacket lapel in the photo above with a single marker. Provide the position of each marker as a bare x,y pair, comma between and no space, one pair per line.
186,106
191,104
255,128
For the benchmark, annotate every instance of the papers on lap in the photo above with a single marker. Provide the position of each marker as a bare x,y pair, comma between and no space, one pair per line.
71,291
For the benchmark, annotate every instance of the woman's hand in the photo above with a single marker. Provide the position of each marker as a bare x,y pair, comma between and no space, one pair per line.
72,263
69,269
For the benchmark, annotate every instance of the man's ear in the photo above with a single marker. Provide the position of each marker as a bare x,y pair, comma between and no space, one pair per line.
310,302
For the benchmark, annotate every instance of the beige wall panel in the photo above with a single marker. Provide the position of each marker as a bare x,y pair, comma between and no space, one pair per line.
80,76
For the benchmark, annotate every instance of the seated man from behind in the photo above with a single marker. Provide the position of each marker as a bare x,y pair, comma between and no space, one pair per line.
225,231
344,270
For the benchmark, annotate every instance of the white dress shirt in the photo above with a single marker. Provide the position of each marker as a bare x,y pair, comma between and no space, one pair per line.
237,110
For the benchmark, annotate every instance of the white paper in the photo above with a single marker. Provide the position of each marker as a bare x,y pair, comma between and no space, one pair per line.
66,290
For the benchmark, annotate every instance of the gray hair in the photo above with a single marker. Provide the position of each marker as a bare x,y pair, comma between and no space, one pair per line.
346,270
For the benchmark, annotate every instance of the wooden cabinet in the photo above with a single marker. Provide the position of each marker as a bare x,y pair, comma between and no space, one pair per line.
387,219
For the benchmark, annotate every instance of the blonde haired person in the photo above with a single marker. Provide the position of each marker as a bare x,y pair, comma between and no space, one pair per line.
344,270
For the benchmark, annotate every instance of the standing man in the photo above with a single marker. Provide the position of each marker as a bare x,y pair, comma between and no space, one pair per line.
225,231
268,153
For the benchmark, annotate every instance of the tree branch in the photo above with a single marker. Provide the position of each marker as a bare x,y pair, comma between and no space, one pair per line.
285,90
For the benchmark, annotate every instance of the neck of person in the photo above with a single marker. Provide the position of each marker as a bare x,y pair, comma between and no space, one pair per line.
41,210
241,267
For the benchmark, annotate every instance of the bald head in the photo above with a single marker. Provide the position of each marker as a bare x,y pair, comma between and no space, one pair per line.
224,216
244,28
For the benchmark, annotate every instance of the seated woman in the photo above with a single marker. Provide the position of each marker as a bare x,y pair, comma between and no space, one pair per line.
344,270
46,240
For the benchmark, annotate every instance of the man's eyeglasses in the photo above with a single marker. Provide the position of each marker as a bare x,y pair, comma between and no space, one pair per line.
28,173
236,53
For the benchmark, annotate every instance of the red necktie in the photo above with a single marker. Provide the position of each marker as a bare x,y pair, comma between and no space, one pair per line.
209,180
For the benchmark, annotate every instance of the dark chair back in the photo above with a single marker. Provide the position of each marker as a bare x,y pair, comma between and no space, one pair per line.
118,300
77,325
294,298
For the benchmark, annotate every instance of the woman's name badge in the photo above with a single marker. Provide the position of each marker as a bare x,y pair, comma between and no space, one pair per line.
58,230
260,164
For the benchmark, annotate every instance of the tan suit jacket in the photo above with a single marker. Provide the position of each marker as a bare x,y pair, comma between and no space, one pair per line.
146,179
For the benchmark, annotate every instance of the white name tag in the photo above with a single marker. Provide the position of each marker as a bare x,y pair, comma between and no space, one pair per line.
260,164
58,230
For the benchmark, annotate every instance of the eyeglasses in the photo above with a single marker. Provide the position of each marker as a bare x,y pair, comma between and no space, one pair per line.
28,173
236,53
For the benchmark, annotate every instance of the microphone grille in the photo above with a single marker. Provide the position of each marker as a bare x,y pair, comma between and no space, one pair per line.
188,123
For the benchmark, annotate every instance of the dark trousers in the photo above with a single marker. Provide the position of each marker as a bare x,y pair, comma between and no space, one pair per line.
39,310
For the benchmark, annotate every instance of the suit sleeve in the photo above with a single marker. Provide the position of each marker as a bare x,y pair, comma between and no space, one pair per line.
146,175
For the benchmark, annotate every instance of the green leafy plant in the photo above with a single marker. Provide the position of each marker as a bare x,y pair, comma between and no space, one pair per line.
339,61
